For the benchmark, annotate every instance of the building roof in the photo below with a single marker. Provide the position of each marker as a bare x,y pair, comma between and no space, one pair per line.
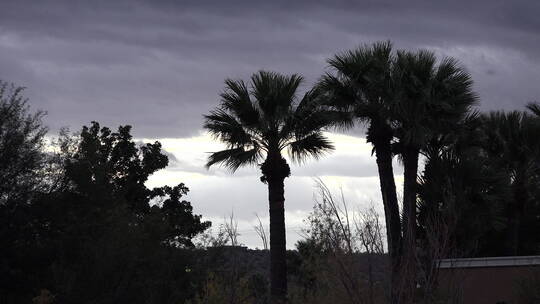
490,262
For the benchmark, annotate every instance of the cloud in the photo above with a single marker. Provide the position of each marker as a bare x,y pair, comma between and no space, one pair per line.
159,65
351,157
215,197
216,193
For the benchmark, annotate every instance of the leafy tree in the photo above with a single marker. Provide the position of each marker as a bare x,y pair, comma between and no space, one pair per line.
102,236
21,142
22,163
257,123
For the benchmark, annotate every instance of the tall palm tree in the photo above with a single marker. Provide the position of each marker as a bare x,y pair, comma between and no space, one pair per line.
432,98
361,84
405,99
258,122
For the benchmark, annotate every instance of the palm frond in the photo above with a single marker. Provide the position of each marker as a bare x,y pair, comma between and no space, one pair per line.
345,101
363,81
432,98
312,115
353,63
314,145
227,128
534,107
275,93
265,116
338,92
234,158
452,95
236,99
454,85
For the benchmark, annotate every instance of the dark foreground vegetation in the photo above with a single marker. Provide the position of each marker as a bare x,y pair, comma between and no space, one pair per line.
79,225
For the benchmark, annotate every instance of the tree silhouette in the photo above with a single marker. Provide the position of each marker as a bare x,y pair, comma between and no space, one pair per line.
258,122
511,143
21,142
362,86
100,235
406,99
432,99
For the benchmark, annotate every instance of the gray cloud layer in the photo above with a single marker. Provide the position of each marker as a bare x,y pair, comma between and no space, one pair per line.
160,65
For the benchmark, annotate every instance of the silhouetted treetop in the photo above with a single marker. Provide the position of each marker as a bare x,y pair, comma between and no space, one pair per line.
21,145
267,116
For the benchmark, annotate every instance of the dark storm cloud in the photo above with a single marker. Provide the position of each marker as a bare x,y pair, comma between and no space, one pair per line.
160,65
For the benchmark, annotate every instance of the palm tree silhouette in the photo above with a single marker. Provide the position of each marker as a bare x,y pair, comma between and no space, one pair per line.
432,98
511,140
361,85
257,123
405,99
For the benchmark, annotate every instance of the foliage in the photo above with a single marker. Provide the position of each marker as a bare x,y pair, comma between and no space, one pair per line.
233,274
267,117
101,236
21,147
257,122
511,144
217,291
343,255
491,175
79,224
361,86
406,99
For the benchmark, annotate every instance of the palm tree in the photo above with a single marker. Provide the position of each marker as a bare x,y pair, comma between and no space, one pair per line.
362,86
258,123
534,107
405,99
511,142
431,100
460,199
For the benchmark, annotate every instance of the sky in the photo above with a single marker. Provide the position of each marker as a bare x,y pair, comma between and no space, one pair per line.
160,66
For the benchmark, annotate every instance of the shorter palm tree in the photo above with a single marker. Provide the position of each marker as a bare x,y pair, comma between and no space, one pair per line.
257,123
432,99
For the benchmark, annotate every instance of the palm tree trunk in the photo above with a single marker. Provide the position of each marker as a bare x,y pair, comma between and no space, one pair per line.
408,267
391,211
278,259
515,215
275,169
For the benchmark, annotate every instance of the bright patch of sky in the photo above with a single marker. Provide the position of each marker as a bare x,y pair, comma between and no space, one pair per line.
216,192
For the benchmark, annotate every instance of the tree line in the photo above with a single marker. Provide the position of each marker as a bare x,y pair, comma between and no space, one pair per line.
79,223
78,220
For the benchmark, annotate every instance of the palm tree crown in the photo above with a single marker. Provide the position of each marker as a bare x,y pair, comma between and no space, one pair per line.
267,117
431,97
362,86
406,99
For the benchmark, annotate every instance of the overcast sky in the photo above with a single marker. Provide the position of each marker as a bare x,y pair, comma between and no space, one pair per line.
160,65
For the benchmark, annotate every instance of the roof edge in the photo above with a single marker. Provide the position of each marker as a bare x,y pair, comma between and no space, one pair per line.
490,262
